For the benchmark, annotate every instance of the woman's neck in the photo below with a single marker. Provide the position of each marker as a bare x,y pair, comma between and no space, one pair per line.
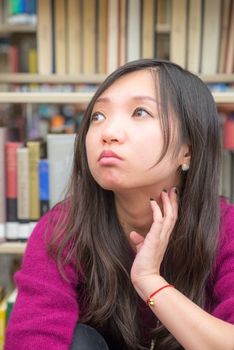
134,212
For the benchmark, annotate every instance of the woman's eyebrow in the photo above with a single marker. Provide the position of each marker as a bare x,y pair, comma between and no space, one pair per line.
149,98
140,98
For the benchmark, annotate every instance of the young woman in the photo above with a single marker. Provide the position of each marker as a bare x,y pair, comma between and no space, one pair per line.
142,249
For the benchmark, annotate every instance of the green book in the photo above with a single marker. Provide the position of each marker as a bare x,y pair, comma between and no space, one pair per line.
10,303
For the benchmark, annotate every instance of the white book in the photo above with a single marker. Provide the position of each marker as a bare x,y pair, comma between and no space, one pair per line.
134,30
210,36
24,231
44,37
60,149
12,230
194,35
112,36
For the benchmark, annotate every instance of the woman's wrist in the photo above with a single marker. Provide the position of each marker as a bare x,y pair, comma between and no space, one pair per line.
145,286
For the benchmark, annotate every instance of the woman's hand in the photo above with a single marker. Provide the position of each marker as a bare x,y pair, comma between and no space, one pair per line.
151,249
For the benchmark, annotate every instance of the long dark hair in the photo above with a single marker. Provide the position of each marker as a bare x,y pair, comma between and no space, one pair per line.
94,240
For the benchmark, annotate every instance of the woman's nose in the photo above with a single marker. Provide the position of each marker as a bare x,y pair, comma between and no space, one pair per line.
113,133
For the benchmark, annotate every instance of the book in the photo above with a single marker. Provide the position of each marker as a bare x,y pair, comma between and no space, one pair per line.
60,39
3,138
34,156
23,211
148,28
59,166
3,321
74,36
89,36
225,16
210,37
45,37
232,176
11,189
229,68
101,52
134,30
228,132
112,35
178,32
44,194
226,173
122,32
10,303
194,35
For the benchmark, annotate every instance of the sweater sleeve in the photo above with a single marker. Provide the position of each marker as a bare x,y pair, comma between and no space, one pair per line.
46,308
223,288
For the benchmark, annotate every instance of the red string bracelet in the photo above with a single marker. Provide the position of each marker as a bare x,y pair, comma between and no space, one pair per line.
150,301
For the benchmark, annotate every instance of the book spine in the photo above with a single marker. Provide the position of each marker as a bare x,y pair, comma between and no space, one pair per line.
3,133
43,169
11,188
23,184
44,37
34,156
74,36
60,37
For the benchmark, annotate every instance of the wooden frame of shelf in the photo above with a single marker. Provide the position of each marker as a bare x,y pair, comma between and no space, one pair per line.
17,28
79,97
12,248
89,78
45,97
16,78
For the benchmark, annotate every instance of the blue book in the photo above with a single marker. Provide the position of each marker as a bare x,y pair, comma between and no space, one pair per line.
44,193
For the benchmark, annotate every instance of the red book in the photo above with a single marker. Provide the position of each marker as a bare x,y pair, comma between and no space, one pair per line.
228,133
11,179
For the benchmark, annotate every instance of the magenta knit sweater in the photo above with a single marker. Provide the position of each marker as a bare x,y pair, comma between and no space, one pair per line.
46,308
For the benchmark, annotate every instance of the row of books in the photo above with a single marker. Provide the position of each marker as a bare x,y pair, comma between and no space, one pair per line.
16,12
31,182
96,36
18,54
202,35
6,306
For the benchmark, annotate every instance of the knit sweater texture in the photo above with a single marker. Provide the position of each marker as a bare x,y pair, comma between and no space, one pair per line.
46,310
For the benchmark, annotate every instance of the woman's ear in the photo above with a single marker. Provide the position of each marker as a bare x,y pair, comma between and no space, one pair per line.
185,156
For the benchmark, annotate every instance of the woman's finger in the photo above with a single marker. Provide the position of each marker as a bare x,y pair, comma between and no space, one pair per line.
137,240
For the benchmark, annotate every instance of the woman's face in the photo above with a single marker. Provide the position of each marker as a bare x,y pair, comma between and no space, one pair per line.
125,140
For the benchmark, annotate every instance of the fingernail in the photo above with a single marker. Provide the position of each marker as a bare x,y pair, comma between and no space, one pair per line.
164,190
152,199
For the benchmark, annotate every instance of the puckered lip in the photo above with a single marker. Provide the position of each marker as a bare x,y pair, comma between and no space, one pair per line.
109,154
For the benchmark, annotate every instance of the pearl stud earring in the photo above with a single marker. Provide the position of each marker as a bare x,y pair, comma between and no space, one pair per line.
185,167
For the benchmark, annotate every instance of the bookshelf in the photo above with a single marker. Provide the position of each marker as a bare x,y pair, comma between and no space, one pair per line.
163,26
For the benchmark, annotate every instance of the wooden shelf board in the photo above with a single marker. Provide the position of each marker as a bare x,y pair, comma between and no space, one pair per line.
12,248
217,78
52,78
77,97
223,97
89,78
45,97
19,28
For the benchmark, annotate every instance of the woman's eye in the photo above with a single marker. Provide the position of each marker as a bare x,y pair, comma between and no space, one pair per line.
141,112
95,117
